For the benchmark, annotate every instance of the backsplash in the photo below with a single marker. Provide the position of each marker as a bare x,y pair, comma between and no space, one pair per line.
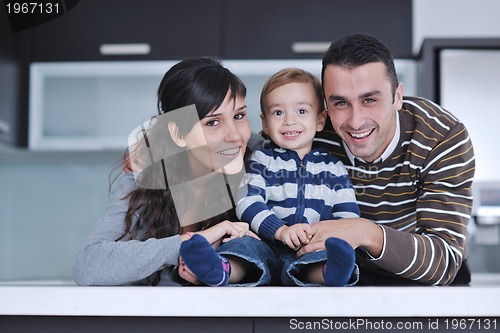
48,204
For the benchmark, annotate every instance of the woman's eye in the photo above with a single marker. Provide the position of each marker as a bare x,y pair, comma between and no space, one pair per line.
212,123
240,116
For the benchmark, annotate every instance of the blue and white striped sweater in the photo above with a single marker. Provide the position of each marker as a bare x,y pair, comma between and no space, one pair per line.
281,189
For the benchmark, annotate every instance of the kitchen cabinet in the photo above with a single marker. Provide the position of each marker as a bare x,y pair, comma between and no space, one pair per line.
291,29
96,105
91,105
130,30
244,29
13,84
125,34
430,60
461,74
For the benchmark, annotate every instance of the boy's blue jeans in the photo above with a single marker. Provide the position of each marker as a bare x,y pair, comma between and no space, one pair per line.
275,263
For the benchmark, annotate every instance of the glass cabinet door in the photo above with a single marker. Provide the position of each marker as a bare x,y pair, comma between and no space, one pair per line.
96,105
90,105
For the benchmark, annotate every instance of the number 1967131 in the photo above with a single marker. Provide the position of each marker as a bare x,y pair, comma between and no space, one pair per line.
32,8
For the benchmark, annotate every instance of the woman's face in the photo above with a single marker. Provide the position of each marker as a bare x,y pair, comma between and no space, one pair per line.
218,141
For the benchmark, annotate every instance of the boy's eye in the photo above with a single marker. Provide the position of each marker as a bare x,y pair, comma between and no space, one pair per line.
277,113
302,111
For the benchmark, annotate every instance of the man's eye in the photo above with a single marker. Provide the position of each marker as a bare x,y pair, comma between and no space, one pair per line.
340,103
369,100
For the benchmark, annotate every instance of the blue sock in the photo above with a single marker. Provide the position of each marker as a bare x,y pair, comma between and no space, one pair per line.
204,262
340,262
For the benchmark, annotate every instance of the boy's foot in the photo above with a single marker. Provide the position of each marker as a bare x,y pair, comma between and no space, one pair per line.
204,262
340,262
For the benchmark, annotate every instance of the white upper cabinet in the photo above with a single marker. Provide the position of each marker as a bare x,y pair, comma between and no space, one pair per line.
90,105
96,105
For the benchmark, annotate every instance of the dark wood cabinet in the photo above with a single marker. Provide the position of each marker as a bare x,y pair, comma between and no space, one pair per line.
170,29
77,324
13,84
243,29
288,29
176,29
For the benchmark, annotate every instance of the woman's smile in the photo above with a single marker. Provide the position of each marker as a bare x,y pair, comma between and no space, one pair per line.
230,151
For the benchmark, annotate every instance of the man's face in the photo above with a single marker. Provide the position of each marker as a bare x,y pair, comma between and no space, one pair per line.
362,107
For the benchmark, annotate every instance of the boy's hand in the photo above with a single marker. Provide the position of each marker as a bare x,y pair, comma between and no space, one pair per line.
294,236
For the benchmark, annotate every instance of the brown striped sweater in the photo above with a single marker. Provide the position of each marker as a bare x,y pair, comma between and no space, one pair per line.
420,195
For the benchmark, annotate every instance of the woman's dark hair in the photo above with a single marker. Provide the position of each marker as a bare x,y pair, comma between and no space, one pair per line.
204,83
201,81
356,50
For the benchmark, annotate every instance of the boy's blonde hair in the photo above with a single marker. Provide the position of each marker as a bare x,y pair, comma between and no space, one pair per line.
291,75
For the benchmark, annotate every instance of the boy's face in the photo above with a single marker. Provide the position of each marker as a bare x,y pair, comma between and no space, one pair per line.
293,115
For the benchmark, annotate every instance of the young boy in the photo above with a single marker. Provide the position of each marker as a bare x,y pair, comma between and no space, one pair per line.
289,186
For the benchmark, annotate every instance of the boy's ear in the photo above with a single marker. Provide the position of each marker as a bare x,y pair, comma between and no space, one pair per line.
321,120
175,134
264,123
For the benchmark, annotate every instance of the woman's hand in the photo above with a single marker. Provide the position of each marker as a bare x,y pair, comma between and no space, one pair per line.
243,229
225,231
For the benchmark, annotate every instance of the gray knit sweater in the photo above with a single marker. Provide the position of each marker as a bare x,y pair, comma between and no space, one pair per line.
105,261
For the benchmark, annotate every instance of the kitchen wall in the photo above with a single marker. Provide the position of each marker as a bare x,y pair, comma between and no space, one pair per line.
450,18
48,204
50,201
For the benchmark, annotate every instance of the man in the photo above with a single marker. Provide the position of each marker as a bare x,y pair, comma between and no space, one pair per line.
412,166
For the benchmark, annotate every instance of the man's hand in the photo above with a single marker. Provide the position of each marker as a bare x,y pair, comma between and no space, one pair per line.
358,232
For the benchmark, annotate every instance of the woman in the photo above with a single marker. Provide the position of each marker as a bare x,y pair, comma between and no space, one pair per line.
171,192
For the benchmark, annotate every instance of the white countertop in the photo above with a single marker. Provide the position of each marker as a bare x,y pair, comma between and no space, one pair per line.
62,298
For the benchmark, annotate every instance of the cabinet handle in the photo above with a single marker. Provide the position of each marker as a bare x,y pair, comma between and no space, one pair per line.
124,49
4,127
310,47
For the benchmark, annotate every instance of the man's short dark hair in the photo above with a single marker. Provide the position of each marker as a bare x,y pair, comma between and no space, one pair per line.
359,49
